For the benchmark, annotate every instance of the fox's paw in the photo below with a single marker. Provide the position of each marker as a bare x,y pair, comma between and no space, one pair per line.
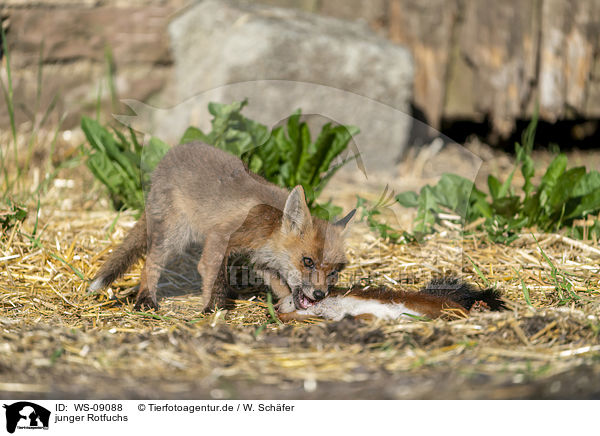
218,302
145,301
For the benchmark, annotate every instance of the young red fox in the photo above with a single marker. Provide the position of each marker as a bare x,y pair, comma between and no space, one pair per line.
380,302
201,194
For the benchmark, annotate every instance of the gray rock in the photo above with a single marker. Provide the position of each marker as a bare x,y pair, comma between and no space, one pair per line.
281,60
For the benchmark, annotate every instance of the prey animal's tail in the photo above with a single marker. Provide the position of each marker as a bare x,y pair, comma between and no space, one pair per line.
464,294
130,250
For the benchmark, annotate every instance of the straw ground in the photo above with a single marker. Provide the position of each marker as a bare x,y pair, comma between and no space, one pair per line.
59,341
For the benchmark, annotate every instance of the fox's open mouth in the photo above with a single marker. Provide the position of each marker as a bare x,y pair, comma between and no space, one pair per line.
301,301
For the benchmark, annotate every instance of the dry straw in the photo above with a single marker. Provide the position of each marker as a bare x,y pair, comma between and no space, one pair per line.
58,340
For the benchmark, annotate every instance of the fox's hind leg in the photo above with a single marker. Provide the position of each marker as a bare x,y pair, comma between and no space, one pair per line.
143,299
156,259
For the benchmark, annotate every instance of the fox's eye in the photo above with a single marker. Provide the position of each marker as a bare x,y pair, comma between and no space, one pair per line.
333,273
308,262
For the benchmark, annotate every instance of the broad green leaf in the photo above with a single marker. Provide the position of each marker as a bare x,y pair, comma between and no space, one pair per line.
505,187
506,206
563,187
326,211
494,186
342,135
528,171
293,127
531,209
481,208
453,191
589,204
408,199
555,170
589,183
137,148
330,173
194,134
152,154
256,164
426,210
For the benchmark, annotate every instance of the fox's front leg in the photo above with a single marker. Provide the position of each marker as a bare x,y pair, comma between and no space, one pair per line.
221,291
279,288
211,268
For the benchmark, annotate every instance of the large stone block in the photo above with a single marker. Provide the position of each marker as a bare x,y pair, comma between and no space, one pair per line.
134,35
69,42
283,59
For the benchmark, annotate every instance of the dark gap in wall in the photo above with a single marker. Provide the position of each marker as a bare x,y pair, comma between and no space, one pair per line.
459,130
578,133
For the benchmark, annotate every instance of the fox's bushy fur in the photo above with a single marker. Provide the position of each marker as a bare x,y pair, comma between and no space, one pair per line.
201,194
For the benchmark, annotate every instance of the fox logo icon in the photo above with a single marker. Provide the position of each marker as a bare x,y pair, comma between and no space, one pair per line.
24,414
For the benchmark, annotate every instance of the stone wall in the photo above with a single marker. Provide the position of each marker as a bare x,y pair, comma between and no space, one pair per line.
478,58
484,58
474,58
75,41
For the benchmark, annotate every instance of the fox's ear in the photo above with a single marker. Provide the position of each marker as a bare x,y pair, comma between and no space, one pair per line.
344,221
296,215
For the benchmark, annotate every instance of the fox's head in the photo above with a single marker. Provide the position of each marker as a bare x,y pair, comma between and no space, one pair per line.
309,251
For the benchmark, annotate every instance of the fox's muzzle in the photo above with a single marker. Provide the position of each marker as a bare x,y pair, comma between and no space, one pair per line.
313,291
318,294
306,296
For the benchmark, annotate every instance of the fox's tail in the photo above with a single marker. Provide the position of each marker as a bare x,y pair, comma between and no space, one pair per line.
464,294
130,250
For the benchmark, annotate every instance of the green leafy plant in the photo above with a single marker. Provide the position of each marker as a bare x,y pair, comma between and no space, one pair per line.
116,161
452,194
13,214
562,199
371,215
562,284
286,156
563,196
